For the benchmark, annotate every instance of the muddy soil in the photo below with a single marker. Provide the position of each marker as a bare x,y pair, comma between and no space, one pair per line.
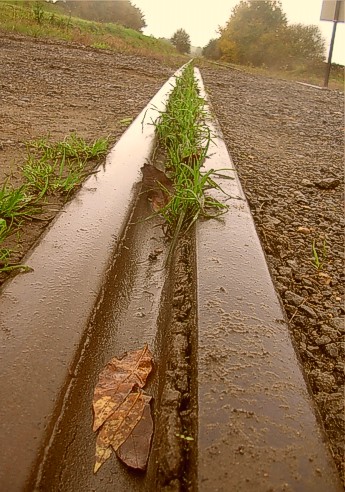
54,88
173,459
286,141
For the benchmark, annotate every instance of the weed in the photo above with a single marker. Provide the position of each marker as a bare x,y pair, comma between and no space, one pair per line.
15,206
183,133
6,266
126,121
4,230
50,167
5,253
101,46
38,12
16,203
319,257
61,166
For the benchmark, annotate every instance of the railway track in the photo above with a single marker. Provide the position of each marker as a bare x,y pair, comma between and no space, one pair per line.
212,318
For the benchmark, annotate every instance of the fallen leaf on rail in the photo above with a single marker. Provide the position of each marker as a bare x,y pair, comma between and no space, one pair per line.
134,452
117,380
119,426
157,185
119,405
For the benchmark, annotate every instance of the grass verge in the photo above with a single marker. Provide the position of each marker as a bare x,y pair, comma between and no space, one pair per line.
22,17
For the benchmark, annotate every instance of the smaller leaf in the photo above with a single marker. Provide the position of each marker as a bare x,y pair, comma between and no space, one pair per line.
134,452
158,186
117,428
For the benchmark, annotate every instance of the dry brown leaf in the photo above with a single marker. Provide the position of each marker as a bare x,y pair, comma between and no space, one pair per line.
119,426
119,403
304,230
134,452
116,382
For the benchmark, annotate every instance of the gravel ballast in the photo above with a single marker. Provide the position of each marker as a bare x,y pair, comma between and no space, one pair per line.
286,141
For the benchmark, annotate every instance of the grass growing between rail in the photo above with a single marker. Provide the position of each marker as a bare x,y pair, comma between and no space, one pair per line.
50,168
184,135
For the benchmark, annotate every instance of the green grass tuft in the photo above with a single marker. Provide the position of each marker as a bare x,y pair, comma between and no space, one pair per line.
49,168
185,136
60,167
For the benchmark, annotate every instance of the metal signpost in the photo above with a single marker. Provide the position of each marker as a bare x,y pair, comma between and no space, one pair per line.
332,10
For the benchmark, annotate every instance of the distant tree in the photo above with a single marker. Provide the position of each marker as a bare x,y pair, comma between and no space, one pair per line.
181,41
253,25
257,33
196,50
212,50
305,43
116,11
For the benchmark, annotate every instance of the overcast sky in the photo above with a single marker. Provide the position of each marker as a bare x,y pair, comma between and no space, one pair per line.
201,18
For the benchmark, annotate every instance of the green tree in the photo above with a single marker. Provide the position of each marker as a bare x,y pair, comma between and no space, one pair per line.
257,33
181,41
306,43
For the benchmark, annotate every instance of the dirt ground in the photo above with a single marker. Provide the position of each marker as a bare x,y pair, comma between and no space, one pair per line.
286,141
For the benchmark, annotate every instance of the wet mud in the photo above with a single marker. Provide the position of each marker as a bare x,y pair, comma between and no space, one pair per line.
173,462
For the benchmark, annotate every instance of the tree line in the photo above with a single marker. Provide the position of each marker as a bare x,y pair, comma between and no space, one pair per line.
116,11
258,34
119,12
